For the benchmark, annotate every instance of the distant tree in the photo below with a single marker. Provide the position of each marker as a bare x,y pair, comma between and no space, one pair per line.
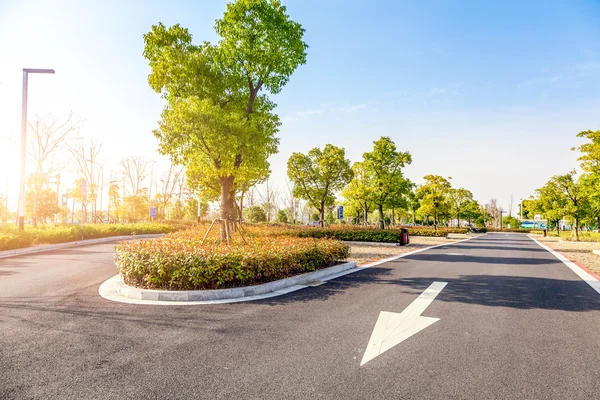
413,202
282,217
135,170
384,165
511,221
359,192
472,211
551,203
45,203
329,217
270,198
87,159
255,214
3,209
135,208
573,190
434,193
527,209
318,175
191,209
48,138
590,163
459,200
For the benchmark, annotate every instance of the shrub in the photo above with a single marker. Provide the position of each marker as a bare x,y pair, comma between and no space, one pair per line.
254,214
11,238
583,236
509,230
179,261
282,217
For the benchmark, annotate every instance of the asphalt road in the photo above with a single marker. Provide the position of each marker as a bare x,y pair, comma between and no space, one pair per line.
515,323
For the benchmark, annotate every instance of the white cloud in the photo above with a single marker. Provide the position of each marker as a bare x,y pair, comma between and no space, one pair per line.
324,109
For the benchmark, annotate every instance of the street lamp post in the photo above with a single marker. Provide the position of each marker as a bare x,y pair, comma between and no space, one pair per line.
26,72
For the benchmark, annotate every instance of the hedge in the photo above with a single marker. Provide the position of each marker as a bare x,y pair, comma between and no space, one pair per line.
179,261
11,238
520,230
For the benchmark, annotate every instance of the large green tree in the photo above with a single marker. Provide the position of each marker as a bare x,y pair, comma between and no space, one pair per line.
216,117
434,193
318,175
384,164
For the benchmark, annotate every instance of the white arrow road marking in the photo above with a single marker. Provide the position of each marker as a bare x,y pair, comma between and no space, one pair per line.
393,328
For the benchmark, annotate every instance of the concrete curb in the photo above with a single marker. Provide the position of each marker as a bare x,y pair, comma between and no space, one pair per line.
370,243
596,252
58,246
584,275
226,294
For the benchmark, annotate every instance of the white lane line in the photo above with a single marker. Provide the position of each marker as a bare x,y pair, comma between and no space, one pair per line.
393,328
587,278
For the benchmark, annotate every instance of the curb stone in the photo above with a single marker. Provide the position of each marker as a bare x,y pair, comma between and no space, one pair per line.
231,293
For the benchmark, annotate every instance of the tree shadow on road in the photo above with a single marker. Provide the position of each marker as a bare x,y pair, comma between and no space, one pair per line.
486,290
499,246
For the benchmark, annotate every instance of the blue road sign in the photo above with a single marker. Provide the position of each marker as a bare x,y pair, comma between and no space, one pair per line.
340,212
152,212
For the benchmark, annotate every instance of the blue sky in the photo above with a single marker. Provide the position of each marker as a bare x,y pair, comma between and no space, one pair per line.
489,93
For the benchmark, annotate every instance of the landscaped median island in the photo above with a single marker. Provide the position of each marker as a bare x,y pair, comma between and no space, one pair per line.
11,238
182,261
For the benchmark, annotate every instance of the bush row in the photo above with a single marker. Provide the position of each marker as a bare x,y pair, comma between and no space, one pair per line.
11,238
520,230
358,233
179,261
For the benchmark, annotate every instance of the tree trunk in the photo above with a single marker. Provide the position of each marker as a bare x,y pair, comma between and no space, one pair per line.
241,207
393,216
458,221
598,222
227,207
577,229
381,220
365,215
435,222
322,215
35,209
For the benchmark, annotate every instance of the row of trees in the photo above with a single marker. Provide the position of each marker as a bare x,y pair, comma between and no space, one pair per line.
69,180
220,123
377,183
575,195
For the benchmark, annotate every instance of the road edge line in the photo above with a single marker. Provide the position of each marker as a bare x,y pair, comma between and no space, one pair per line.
108,289
580,272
